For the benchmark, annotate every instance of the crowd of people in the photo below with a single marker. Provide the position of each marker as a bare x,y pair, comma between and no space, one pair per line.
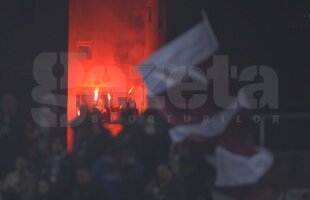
140,163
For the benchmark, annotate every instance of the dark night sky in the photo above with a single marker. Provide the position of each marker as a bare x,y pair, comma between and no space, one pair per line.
253,32
273,33
259,32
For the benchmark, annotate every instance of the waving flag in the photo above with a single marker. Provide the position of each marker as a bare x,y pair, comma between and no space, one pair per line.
237,160
191,48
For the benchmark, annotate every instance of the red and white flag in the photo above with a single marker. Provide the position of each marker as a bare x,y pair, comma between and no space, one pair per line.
169,75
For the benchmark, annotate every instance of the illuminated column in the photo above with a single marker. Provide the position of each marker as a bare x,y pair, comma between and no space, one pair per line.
113,36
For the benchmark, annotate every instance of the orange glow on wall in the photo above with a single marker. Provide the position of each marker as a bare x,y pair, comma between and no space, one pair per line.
107,39
115,129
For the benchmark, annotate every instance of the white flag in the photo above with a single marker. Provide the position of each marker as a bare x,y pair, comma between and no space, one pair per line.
237,170
211,127
191,48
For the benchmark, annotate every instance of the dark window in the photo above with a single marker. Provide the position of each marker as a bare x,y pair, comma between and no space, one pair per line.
136,21
85,48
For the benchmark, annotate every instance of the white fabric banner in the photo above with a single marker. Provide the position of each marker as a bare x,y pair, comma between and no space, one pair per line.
191,48
236,170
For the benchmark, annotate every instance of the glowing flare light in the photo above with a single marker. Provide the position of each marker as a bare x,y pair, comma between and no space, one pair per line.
109,97
130,90
96,94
